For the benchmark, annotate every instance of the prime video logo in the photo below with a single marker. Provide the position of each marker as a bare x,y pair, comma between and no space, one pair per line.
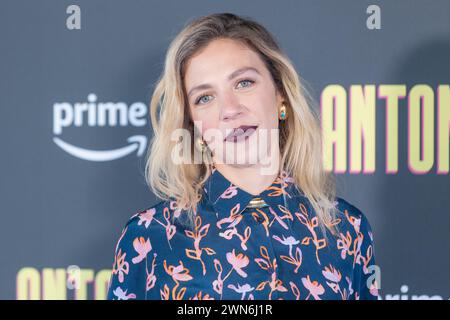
93,114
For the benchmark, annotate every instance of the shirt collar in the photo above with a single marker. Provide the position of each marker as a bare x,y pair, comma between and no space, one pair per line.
226,197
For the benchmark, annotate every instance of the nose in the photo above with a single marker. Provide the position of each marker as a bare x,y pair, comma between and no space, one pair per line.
231,109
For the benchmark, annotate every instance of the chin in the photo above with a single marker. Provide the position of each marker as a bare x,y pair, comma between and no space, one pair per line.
243,165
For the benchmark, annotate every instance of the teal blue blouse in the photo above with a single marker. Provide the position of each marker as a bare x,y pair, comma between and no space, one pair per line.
235,252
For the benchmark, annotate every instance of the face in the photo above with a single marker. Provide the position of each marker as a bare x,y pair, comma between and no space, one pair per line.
228,86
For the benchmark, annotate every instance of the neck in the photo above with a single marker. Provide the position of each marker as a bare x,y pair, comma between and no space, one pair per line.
248,178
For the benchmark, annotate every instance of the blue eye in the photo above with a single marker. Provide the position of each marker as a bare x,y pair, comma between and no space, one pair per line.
247,80
200,98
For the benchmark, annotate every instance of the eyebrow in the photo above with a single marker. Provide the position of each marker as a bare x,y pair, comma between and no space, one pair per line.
233,75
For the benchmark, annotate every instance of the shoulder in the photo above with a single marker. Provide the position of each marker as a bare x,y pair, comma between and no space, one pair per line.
351,214
141,236
149,218
156,219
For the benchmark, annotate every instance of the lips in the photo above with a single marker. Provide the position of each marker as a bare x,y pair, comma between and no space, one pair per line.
240,133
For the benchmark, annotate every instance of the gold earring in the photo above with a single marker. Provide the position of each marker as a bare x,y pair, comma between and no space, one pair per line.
201,144
283,112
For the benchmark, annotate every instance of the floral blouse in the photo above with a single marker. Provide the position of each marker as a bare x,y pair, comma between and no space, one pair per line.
235,252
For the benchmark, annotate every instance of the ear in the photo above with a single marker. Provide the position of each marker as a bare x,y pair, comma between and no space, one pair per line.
279,97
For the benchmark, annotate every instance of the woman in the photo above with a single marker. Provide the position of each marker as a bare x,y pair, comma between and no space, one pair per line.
269,227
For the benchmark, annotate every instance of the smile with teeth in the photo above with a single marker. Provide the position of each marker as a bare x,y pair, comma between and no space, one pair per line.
240,134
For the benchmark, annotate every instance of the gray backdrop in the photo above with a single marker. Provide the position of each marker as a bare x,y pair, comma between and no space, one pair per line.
62,211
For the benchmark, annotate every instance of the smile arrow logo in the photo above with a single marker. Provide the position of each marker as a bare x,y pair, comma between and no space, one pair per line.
137,142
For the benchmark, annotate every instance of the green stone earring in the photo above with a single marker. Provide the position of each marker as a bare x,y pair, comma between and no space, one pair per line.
283,114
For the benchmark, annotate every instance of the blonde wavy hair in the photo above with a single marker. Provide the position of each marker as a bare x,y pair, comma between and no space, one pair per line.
300,134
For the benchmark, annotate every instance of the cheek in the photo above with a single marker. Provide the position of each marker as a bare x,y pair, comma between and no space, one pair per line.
206,119
268,110
205,125
268,115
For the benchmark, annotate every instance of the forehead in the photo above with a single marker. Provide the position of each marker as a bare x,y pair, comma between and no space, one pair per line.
218,59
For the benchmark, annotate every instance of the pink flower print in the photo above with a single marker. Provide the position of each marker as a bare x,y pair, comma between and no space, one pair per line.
146,217
241,289
122,295
289,241
358,243
315,289
287,214
344,244
264,262
238,262
355,222
282,179
279,219
231,230
233,219
230,233
199,233
230,192
218,284
174,207
311,224
170,228
334,277
274,284
142,247
201,296
120,265
295,290
332,274
374,289
178,273
277,191
296,261
170,231
270,266
350,288
365,259
165,292
351,247
151,277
